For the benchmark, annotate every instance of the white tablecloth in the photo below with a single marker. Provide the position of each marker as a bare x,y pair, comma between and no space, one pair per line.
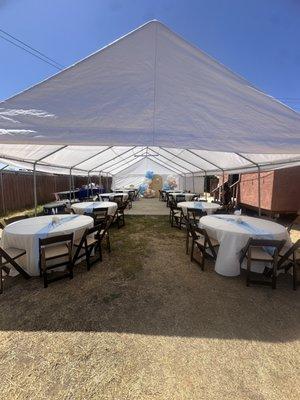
188,196
112,195
233,237
25,234
209,208
81,208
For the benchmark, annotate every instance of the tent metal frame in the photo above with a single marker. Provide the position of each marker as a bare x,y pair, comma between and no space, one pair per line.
163,161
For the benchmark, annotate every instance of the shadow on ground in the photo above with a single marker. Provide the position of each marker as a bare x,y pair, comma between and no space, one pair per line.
147,285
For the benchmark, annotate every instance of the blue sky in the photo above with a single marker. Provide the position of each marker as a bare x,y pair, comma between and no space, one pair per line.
258,39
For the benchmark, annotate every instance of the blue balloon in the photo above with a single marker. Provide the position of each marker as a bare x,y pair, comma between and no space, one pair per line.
143,187
166,186
149,174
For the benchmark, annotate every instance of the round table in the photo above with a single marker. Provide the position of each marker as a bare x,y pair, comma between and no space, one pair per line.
209,208
113,195
233,237
188,196
88,207
25,234
55,206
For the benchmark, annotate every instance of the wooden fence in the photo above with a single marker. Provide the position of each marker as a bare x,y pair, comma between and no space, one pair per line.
17,188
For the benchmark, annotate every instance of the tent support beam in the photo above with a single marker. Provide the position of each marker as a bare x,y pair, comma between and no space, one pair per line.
205,186
168,165
127,166
182,159
172,162
89,158
122,161
258,181
172,169
204,159
119,155
193,183
2,189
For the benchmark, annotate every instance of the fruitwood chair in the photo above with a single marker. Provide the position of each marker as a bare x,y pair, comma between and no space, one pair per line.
206,245
99,215
193,216
176,216
120,215
290,259
262,250
56,248
8,258
90,240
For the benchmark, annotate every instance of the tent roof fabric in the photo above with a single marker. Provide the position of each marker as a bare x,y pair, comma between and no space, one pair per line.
148,95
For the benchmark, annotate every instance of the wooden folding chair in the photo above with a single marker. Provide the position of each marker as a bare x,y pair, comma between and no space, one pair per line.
262,250
290,259
10,255
90,240
193,216
56,248
206,245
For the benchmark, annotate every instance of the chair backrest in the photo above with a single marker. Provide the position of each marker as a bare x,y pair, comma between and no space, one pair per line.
195,231
118,199
131,195
100,211
15,219
274,246
194,214
179,198
68,239
52,240
104,198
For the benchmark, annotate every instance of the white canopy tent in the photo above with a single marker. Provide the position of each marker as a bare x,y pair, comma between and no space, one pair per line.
149,95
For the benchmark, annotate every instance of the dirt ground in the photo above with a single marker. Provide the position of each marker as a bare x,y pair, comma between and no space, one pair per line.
146,323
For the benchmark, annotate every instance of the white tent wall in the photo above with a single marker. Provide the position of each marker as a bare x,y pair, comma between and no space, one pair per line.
195,184
136,173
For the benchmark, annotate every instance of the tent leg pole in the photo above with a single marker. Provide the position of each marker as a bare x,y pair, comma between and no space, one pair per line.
259,192
34,189
70,185
193,183
107,182
2,190
205,186
184,182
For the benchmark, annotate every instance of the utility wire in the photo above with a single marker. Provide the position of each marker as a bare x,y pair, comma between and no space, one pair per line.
44,58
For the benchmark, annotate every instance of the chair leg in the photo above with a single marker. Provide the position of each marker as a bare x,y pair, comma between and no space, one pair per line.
70,267
187,242
294,276
274,276
248,271
1,281
87,256
45,279
108,242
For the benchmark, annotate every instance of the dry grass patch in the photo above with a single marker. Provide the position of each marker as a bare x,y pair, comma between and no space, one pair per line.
147,324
